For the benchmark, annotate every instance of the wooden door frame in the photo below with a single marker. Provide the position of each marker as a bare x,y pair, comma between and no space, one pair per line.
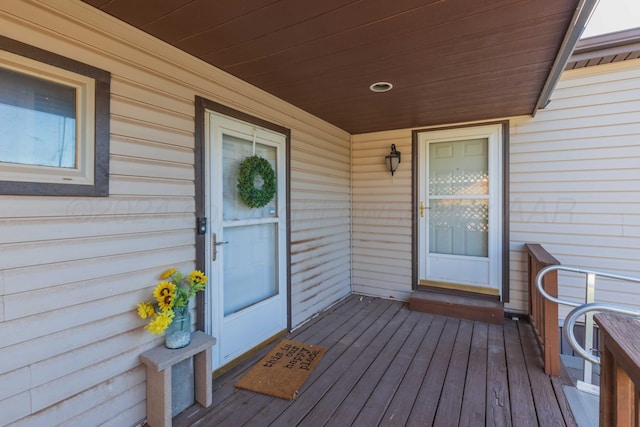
504,218
201,105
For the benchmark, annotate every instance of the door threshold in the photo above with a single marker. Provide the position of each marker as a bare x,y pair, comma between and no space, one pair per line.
247,354
447,286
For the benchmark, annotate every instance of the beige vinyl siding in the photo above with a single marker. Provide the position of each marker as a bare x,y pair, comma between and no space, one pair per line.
575,181
381,239
72,269
320,222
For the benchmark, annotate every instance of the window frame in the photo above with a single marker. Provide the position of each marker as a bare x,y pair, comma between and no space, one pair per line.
91,175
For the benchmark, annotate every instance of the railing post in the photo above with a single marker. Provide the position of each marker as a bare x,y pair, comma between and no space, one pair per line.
543,314
620,370
590,292
551,327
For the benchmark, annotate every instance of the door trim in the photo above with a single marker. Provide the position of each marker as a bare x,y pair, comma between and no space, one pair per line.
505,201
201,105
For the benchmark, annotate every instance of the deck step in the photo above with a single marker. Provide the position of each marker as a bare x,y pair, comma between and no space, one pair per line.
456,304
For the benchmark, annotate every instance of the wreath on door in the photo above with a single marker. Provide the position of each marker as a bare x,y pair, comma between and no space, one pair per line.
250,195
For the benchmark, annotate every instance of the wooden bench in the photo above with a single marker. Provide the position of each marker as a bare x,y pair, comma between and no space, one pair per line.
159,361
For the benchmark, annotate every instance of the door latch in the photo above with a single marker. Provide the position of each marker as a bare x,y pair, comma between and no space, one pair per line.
214,246
202,225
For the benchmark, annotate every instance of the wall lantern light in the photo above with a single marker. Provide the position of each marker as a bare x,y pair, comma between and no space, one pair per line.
393,159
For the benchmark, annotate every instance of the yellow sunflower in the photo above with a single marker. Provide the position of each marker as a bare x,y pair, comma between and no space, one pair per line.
198,276
164,293
168,273
160,322
145,309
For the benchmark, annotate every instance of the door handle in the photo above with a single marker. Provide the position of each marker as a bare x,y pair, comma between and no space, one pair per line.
423,208
214,246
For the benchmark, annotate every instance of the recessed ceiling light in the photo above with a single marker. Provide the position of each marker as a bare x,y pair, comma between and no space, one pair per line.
381,87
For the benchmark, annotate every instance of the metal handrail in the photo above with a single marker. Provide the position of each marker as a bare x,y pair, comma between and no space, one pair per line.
586,271
585,309
572,317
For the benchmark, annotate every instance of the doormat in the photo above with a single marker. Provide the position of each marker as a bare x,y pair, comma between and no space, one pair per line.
282,372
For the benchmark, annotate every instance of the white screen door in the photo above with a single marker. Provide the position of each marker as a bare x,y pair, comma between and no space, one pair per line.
247,252
460,207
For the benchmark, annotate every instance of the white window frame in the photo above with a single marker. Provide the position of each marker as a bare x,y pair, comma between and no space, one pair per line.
90,176
83,173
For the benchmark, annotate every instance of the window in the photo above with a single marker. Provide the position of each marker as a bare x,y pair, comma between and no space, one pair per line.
54,124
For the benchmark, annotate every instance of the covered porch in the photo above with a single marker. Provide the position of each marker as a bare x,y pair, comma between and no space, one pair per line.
387,365
75,267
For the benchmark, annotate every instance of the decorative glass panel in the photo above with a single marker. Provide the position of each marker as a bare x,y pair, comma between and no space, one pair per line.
458,168
459,227
235,150
250,262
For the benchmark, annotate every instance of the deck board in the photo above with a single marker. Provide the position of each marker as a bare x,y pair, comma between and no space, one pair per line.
473,411
378,402
348,365
523,411
356,393
403,400
547,408
426,404
450,404
498,411
389,366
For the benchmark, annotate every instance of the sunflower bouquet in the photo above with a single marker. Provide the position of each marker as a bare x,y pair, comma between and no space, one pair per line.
172,295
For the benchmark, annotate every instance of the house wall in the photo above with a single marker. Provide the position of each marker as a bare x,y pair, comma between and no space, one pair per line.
381,240
575,181
575,188
72,269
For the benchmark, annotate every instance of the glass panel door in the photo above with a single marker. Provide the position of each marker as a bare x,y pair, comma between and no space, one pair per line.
247,246
460,205
250,256
458,197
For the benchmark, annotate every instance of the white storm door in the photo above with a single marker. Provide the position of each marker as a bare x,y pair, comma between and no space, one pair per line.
247,252
460,208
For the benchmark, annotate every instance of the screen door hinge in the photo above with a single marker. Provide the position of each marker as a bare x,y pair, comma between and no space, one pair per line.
202,225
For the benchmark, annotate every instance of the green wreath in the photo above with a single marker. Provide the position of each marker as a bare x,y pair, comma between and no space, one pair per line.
250,195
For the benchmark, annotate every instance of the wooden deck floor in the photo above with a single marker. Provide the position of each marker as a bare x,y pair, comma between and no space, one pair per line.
389,366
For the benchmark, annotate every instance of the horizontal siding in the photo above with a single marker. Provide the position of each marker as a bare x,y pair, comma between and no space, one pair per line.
73,269
575,182
320,222
381,236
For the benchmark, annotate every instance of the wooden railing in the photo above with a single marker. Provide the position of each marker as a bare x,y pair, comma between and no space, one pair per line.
543,314
620,370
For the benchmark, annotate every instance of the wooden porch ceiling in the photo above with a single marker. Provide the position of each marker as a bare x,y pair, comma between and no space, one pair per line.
449,60
388,366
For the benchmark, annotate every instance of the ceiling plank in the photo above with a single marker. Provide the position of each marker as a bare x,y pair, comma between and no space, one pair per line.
198,16
140,12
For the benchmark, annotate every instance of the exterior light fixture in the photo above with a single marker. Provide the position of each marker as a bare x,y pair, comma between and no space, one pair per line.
393,159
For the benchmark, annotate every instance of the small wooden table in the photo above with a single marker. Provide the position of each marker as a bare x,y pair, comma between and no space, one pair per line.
159,361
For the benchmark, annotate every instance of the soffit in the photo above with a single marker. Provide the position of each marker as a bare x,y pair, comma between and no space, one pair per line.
449,60
606,49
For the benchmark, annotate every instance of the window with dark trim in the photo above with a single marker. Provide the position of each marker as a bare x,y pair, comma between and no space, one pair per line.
54,124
